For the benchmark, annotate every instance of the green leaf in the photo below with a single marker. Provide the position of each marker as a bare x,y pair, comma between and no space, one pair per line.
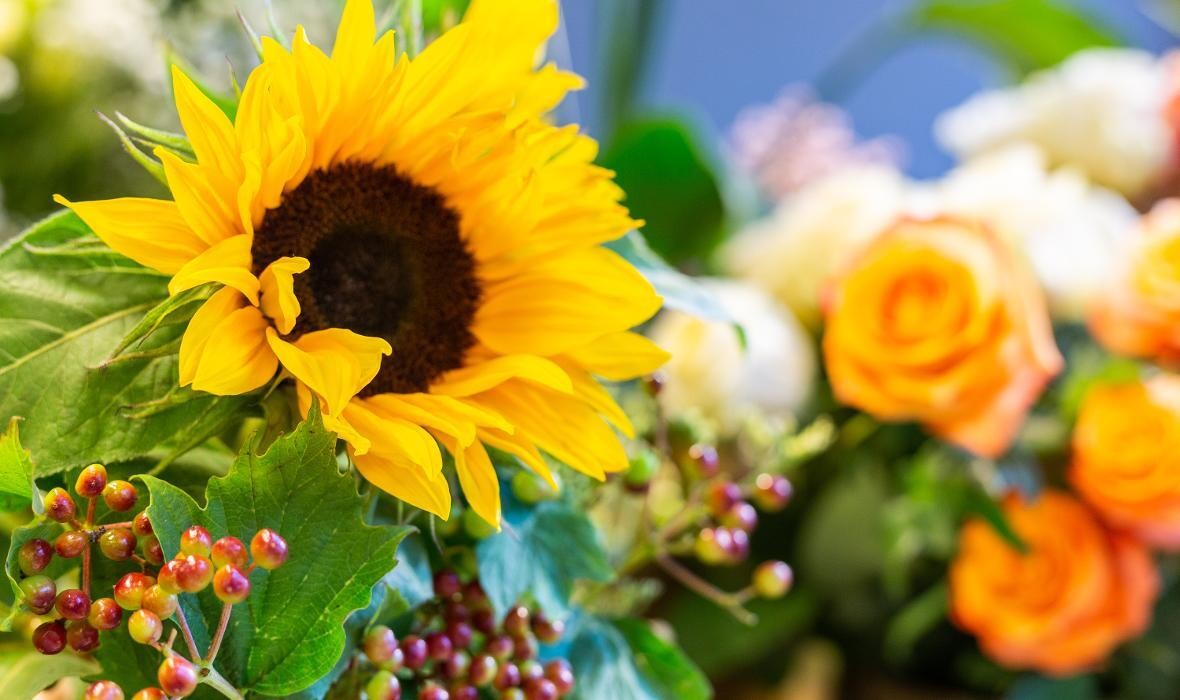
624,660
290,632
909,625
66,302
175,310
1042,688
680,292
408,586
24,674
978,503
42,528
665,666
671,186
16,471
542,551
1027,34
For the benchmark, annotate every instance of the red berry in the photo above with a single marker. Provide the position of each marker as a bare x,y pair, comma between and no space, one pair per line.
463,692
193,573
120,495
772,579
741,516
39,593
530,671
144,627
516,622
129,590
159,601
739,546
723,495
59,506
474,596
460,634
34,556
512,694
439,646
177,676
196,540
560,675
483,670
430,691
395,662
507,676
141,525
105,614
117,544
82,637
447,584
772,492
380,644
383,686
70,544
705,458
524,648
415,652
152,551
166,577
540,689
73,604
548,631
230,585
91,481
500,647
150,694
103,690
456,666
654,383
483,621
50,637
268,549
456,612
229,550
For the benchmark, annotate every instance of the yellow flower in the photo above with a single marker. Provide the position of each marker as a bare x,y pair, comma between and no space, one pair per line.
414,244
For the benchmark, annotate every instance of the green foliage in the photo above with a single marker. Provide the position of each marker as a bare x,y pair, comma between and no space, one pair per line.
624,660
66,302
17,490
42,528
1043,688
670,185
679,291
290,633
542,551
24,672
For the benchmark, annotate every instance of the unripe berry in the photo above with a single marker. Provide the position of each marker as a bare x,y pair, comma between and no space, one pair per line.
447,584
462,691
641,470
559,673
771,492
484,621
159,601
741,516
91,481
166,577
722,496
103,690
152,551
474,596
383,686
141,525
59,506
39,593
431,691
129,590
739,546
196,540
455,611
229,550
460,634
512,694
193,573
548,631
530,671
772,579
268,549
476,527
705,460
105,614
524,647
144,627
150,694
73,604
117,544
81,636
456,666
654,383
34,556
177,676
50,637
230,585
415,652
70,544
712,545
483,670
516,621
120,495
500,647
439,646
395,662
507,676
531,489
379,644
540,689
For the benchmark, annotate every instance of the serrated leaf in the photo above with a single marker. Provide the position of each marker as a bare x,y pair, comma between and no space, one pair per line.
23,675
66,302
624,660
16,471
542,551
679,291
290,631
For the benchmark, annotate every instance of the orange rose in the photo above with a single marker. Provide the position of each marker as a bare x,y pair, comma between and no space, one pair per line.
1140,316
937,321
1060,608
1126,457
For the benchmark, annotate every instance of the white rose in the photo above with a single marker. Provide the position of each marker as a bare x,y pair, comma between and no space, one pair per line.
712,375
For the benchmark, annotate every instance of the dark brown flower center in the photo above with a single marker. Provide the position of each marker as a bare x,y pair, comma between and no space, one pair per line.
387,260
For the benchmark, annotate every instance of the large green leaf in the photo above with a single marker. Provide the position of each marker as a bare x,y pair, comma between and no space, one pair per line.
542,551
1028,34
16,471
66,302
24,673
290,632
624,660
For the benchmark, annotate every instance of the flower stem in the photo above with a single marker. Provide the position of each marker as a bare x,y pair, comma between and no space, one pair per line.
188,634
86,568
731,603
222,624
210,676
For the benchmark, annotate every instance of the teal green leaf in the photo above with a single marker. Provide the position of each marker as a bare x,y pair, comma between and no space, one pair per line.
679,291
66,302
1027,34
25,673
671,186
542,551
624,660
290,632
17,490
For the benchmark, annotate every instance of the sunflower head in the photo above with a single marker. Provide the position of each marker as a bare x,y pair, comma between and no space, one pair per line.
413,243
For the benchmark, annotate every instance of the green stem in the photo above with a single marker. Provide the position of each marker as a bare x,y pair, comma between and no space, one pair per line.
222,624
210,677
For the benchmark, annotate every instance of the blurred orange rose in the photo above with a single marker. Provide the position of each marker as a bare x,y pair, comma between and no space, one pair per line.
1065,604
1126,457
938,321
1140,316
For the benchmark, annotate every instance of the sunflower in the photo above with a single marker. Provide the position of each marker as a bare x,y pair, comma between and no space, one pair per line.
414,244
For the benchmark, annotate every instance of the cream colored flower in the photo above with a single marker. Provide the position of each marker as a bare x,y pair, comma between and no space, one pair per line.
710,372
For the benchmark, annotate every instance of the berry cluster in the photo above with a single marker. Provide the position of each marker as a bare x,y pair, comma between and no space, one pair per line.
458,650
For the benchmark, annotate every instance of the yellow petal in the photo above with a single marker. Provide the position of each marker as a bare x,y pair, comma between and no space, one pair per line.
337,424
207,127
598,398
479,377
228,262
520,448
227,353
408,482
477,478
620,356
392,437
223,302
334,363
209,209
425,412
354,37
149,231
277,284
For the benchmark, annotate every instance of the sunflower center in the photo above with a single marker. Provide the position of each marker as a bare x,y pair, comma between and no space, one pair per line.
387,260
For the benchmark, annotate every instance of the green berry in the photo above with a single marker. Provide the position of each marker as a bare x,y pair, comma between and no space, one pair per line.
476,527
144,627
160,602
383,686
531,489
771,492
380,644
642,469
196,540
39,593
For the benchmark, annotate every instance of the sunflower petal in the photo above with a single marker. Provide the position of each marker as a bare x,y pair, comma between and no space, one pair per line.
477,478
392,437
209,211
207,127
334,363
475,378
228,262
620,356
149,231
192,346
277,284
407,481
598,398
224,350
337,424
520,448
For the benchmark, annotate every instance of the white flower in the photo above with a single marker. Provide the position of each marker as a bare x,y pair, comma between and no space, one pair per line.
1101,111
712,375
791,253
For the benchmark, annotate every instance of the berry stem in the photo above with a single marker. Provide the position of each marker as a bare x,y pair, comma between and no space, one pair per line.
731,603
222,624
91,504
188,634
210,677
86,567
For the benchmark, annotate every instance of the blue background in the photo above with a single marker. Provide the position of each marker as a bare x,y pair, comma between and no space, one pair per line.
710,58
